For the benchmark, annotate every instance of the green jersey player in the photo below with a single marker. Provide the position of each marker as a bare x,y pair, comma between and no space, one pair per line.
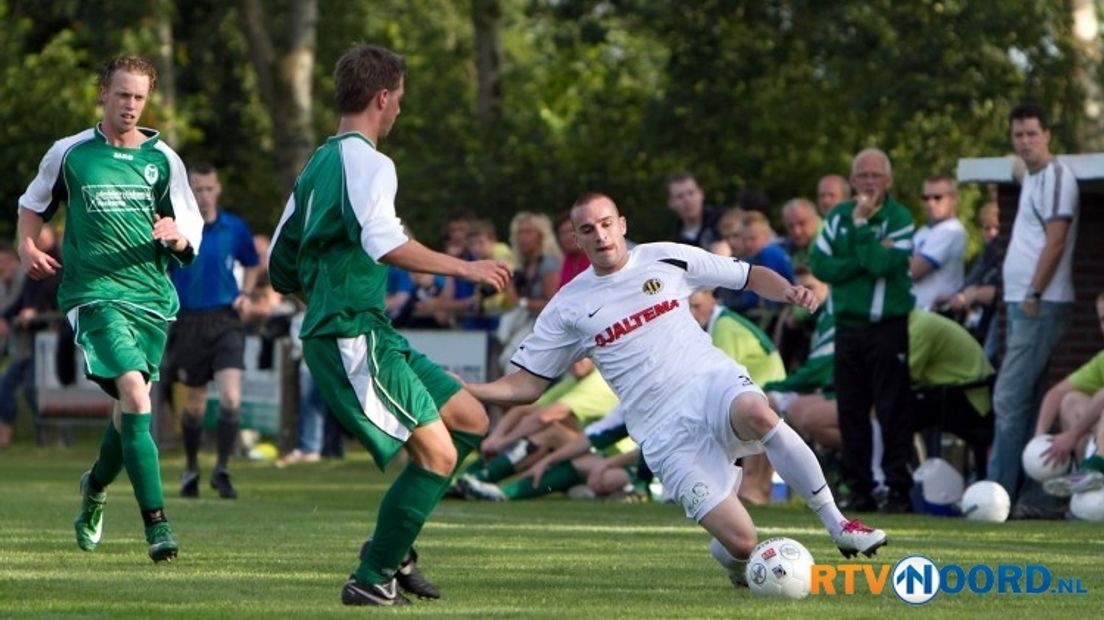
334,241
129,213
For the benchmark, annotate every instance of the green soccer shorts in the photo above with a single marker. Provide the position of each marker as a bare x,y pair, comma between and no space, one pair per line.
117,338
378,388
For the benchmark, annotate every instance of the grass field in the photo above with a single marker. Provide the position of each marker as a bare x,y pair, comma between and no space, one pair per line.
284,548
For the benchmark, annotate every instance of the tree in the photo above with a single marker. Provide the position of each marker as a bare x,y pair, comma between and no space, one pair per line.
284,66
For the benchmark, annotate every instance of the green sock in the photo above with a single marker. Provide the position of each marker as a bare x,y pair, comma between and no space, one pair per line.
500,467
1093,463
560,477
110,461
403,511
465,444
476,468
140,458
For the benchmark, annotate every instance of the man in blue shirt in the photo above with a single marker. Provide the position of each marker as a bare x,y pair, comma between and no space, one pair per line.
208,339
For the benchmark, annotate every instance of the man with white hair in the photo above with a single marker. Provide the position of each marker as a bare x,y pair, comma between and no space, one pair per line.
863,253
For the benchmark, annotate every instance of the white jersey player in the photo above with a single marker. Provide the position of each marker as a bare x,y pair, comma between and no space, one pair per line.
692,409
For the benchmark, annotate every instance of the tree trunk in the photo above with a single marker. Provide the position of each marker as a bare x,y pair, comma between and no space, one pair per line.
284,77
486,16
1086,41
166,67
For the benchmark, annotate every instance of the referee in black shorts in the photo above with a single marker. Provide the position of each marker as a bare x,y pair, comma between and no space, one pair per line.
207,341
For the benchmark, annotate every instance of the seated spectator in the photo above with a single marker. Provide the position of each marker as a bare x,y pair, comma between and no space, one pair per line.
744,342
1072,410
975,305
535,280
939,252
762,249
482,309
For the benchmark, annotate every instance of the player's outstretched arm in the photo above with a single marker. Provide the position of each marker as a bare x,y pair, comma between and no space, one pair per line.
772,286
576,447
413,256
517,388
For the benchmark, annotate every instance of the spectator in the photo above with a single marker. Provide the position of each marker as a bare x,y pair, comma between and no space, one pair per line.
938,260
802,225
575,260
863,254
832,189
1075,406
976,303
455,239
761,248
731,229
697,221
11,277
535,280
1038,297
24,317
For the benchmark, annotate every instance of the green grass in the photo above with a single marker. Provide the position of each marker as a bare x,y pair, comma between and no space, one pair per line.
284,548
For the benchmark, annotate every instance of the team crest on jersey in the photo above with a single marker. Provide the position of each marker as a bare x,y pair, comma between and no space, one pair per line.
151,173
653,286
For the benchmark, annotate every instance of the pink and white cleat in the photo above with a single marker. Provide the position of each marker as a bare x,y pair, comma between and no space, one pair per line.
857,538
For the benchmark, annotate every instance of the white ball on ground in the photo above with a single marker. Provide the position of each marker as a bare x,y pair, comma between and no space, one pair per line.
1037,468
986,501
1088,506
780,567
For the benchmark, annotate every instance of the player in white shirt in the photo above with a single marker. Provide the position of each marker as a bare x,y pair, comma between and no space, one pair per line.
691,408
938,261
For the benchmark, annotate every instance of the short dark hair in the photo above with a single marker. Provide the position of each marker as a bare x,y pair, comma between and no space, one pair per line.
138,65
588,197
678,176
203,167
362,72
944,178
1028,109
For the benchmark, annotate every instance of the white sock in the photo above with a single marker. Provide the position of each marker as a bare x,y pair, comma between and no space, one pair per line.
795,462
725,558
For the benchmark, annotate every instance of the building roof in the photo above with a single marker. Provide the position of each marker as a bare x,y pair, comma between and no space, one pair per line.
1085,166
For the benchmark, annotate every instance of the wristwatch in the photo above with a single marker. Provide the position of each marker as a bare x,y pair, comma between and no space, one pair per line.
1034,294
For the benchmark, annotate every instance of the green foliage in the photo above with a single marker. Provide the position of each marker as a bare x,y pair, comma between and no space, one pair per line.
598,95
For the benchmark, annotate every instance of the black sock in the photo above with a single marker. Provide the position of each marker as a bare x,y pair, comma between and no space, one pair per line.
191,427
227,434
152,517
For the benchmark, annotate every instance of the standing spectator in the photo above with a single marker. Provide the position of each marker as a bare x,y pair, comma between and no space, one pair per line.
22,319
938,261
697,221
575,260
1038,297
207,343
762,248
863,254
832,189
535,280
11,277
802,225
129,213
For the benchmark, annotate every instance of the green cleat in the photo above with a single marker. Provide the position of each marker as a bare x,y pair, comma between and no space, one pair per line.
162,545
89,521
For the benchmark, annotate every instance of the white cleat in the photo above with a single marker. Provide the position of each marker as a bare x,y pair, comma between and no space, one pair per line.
858,538
477,489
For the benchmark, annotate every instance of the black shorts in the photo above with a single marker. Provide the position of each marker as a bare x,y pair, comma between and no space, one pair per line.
204,342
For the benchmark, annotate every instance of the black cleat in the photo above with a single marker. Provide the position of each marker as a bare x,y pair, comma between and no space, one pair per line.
189,483
220,482
410,579
384,594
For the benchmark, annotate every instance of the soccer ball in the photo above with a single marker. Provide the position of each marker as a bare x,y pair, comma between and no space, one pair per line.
986,501
1034,465
1088,506
780,567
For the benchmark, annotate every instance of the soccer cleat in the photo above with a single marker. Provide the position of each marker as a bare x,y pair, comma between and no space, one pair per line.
220,481
89,521
737,577
477,489
857,538
410,579
162,545
189,483
1072,484
384,594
